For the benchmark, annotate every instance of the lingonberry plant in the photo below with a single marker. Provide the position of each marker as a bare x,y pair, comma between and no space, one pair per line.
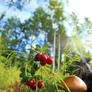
38,61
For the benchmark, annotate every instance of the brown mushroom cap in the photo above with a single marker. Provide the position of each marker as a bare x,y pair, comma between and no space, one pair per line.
75,84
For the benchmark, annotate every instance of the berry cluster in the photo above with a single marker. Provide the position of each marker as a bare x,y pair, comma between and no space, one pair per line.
28,74
44,59
33,84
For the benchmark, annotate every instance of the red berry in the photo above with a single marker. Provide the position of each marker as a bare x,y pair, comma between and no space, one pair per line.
40,84
43,63
47,56
34,81
43,57
29,83
37,57
33,87
49,61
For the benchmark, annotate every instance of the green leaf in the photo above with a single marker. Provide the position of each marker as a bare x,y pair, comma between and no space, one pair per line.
44,48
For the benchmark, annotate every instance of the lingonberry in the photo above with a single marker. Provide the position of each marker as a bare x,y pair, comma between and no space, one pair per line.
43,57
33,87
43,63
49,61
40,84
37,57
29,83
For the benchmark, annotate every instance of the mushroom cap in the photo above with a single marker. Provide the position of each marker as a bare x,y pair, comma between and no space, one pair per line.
75,84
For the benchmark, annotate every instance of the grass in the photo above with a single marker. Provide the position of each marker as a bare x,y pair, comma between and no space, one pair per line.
8,76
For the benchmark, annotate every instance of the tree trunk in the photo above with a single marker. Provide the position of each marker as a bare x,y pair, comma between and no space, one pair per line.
59,53
54,50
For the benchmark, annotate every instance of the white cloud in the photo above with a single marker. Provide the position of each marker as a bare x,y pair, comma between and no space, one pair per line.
31,6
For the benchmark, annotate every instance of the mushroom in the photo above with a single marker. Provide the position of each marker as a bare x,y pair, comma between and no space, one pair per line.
74,83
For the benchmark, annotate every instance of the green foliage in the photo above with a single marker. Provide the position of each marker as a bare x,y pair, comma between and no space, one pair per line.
51,80
16,34
8,76
3,46
2,16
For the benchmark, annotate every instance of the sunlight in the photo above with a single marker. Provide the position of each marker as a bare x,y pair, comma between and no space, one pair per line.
81,7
